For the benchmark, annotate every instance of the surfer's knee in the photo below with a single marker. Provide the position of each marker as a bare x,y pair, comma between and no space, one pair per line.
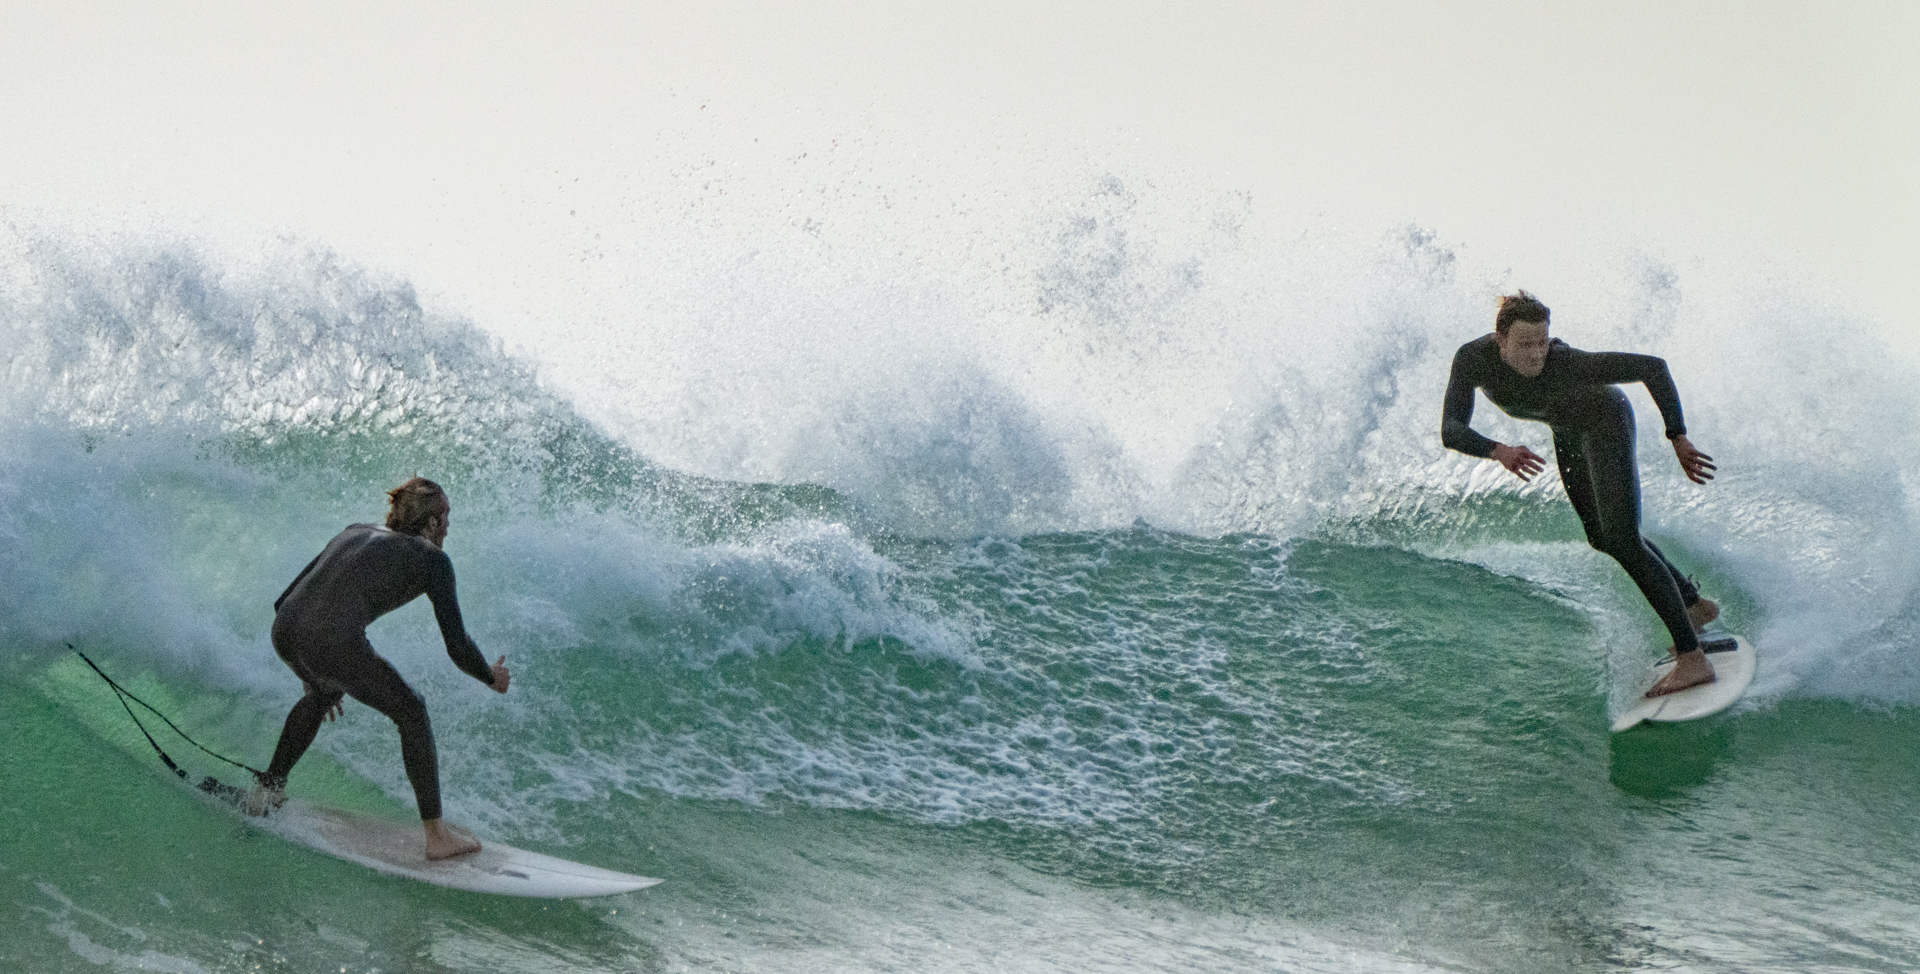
412,705
410,710
1623,550
1623,547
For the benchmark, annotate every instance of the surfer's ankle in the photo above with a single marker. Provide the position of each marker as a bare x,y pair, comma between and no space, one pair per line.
268,793
1690,669
1701,612
446,841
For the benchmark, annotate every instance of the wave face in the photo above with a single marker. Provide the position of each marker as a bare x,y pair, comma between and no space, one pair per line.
1145,620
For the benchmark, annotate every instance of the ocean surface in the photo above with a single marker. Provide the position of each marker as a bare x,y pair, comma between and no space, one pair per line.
1132,620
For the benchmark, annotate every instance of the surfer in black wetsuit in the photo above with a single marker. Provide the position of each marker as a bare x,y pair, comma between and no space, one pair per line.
319,629
1533,377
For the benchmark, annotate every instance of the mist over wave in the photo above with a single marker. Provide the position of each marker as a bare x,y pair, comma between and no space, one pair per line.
1114,350
183,428
1126,557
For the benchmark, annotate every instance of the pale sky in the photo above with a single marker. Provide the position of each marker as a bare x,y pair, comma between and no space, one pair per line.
483,149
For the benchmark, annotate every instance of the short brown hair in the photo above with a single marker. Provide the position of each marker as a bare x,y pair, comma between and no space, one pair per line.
1519,307
412,503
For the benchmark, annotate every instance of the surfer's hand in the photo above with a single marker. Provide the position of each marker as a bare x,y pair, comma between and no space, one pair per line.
1519,460
1699,466
500,676
331,712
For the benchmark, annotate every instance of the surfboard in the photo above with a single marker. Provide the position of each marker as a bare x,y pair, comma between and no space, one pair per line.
398,849
1733,660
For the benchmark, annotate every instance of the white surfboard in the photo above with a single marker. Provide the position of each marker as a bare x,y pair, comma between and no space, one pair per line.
399,849
1733,667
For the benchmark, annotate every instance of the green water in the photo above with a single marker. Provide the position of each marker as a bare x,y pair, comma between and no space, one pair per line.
1158,750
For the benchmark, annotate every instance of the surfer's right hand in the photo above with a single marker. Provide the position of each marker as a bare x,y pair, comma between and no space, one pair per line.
1519,460
500,675
1698,466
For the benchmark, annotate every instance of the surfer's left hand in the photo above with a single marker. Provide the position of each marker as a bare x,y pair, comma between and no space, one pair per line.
331,712
500,675
1698,466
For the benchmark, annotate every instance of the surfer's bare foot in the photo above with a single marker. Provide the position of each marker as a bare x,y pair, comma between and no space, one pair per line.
265,796
446,841
1702,613
1690,670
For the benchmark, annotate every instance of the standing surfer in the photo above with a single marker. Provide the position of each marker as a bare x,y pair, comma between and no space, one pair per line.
1530,376
319,629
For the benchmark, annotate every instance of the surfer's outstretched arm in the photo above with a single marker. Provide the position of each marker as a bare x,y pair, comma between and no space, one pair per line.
442,592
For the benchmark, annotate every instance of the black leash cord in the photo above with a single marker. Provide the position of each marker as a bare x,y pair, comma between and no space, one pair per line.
124,694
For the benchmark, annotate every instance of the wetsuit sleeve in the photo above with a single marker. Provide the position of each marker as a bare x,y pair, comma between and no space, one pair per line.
446,611
1457,411
1648,370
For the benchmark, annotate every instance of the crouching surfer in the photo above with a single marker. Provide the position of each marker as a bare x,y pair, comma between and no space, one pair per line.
1530,376
319,629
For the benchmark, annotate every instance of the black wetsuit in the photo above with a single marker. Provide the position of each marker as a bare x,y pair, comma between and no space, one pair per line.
320,630
1593,440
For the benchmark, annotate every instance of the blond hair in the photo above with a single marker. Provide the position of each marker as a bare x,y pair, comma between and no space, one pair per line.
412,504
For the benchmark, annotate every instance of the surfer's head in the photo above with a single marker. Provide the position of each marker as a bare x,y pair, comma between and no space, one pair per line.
1519,307
419,507
1520,329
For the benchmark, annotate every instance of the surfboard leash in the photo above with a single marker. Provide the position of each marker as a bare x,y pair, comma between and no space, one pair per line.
124,695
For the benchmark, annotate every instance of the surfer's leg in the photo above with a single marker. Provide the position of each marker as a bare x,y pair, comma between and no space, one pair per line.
1569,452
1615,477
374,682
1602,480
378,685
1700,610
1688,592
1616,489
302,723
